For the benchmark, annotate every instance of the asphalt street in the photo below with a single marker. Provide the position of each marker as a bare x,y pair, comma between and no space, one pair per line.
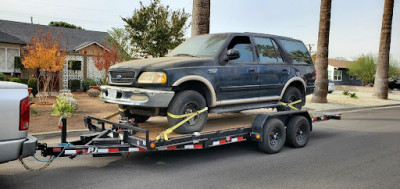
360,151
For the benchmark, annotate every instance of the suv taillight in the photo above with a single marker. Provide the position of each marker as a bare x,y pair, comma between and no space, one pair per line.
24,114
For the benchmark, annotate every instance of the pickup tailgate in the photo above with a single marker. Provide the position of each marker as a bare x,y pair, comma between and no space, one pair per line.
11,95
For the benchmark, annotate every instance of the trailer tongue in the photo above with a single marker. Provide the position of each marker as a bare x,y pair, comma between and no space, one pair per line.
271,131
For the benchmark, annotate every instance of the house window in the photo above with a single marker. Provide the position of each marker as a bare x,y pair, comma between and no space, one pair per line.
337,75
329,74
74,65
7,56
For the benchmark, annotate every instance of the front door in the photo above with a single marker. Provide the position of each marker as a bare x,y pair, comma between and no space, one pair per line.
238,79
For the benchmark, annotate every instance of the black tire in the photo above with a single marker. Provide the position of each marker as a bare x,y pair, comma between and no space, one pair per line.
298,132
124,112
291,94
330,92
273,137
185,102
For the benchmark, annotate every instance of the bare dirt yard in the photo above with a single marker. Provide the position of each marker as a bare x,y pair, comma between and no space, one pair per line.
44,122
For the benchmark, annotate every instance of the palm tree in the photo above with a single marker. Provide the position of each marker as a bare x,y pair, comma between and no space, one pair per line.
201,17
382,68
321,64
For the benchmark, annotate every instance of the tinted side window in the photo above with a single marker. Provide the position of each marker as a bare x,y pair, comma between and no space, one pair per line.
297,52
243,44
267,51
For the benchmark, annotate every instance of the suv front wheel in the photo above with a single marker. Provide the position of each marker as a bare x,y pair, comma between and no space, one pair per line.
185,102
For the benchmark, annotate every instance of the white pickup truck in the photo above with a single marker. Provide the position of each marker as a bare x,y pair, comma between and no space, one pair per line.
14,122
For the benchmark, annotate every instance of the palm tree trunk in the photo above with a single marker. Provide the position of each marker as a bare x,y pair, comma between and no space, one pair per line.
382,68
201,17
321,64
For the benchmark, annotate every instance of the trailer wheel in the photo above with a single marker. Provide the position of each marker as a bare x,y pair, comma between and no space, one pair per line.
186,102
274,136
298,132
124,112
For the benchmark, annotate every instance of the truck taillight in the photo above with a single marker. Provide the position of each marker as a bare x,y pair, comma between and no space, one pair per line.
315,74
24,114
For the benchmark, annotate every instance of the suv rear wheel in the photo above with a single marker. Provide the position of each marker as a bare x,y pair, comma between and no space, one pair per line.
292,94
186,102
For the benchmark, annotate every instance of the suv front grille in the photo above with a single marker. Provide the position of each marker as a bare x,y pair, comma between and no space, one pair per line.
122,77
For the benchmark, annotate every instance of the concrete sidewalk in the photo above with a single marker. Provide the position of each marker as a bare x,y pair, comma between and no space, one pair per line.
337,101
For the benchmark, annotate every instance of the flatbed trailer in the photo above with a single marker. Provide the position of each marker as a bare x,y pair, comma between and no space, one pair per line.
271,131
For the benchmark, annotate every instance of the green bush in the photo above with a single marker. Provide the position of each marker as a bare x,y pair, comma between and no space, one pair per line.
74,85
32,83
17,62
24,81
3,77
62,108
345,92
15,79
353,95
88,82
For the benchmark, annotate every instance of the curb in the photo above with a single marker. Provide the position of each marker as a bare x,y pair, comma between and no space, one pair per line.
356,108
75,133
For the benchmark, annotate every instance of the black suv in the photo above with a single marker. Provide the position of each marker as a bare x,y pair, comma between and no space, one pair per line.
227,72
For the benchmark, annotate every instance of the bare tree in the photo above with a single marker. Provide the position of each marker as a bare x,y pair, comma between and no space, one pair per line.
201,17
321,64
382,68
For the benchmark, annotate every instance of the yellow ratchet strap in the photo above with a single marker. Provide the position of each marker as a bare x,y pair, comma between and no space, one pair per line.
164,134
290,105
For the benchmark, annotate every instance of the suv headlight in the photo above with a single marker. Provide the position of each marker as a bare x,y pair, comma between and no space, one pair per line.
152,77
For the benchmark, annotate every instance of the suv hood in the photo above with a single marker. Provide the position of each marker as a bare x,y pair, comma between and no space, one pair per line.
163,63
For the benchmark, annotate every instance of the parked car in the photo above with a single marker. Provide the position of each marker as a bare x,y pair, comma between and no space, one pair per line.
331,86
14,116
226,72
394,84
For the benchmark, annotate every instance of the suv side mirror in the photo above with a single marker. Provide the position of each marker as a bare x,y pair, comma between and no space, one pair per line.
232,54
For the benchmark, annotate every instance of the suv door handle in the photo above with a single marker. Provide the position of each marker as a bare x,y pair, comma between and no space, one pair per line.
251,70
285,70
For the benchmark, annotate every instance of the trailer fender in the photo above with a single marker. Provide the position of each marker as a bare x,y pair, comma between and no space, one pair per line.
261,119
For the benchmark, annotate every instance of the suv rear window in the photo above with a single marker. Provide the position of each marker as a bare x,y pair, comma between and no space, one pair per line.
297,51
267,50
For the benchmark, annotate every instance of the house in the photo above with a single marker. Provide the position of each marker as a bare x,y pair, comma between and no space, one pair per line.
81,47
337,72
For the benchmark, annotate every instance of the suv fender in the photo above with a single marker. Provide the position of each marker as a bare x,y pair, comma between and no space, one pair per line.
292,81
203,80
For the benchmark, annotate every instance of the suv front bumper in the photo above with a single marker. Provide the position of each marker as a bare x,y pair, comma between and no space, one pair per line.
136,96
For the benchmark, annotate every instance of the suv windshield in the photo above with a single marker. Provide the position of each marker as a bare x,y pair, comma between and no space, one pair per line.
203,45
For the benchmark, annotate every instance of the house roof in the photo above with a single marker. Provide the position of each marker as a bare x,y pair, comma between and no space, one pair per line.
70,38
339,63
6,38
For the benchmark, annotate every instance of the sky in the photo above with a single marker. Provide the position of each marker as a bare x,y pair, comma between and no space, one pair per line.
355,24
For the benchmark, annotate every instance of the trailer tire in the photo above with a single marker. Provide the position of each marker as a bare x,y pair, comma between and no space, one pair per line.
185,102
273,136
298,132
124,112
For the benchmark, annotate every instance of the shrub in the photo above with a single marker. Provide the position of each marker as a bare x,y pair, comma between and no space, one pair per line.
15,79
32,83
346,92
88,82
34,111
69,97
3,77
62,107
93,92
353,95
74,85
24,81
